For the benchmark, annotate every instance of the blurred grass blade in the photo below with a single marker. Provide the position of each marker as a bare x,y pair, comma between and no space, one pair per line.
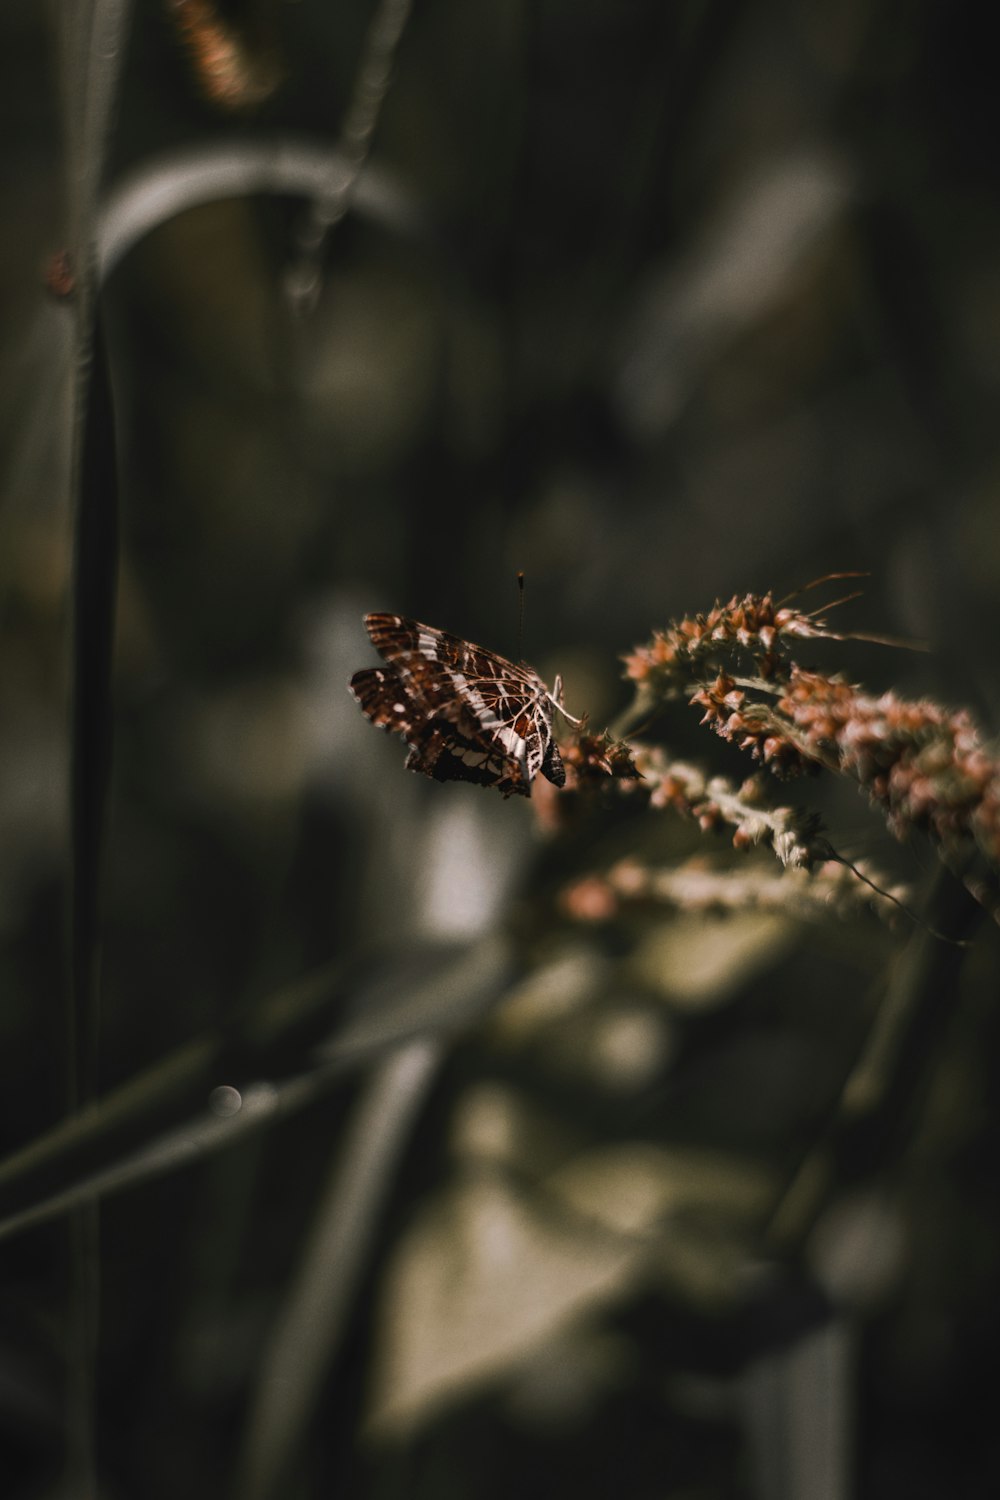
312,1322
232,167
92,34
259,1104
156,1123
94,585
798,1409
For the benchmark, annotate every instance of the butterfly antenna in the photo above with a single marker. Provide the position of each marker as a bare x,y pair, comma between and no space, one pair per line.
555,697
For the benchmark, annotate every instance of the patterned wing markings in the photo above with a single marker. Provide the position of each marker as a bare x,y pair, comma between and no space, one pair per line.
465,713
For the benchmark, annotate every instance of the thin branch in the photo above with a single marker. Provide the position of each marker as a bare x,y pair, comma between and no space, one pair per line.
335,196
874,1115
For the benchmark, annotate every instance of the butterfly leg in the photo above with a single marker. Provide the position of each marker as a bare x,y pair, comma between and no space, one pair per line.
555,698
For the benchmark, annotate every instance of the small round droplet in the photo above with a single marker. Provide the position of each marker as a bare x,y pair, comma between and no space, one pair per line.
225,1101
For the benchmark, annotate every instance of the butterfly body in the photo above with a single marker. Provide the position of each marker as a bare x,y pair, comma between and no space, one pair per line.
465,713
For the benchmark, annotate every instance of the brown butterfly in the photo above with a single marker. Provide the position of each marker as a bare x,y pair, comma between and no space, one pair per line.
465,713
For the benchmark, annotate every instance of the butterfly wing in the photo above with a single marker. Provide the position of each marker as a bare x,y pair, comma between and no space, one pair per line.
449,757
436,747
466,713
385,698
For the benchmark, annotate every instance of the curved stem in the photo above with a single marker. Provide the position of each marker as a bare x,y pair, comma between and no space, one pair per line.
873,1116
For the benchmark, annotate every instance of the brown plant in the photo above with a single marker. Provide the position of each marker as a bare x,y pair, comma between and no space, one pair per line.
926,768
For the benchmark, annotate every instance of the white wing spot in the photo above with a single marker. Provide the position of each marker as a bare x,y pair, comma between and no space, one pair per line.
464,689
473,757
511,741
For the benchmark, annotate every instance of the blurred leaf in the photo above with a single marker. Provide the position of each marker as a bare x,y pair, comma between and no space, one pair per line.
477,1282
633,1188
697,962
485,1275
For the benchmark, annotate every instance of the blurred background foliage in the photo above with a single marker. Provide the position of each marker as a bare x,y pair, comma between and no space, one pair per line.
657,302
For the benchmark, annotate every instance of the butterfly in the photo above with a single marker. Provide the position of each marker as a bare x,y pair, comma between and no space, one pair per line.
465,713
